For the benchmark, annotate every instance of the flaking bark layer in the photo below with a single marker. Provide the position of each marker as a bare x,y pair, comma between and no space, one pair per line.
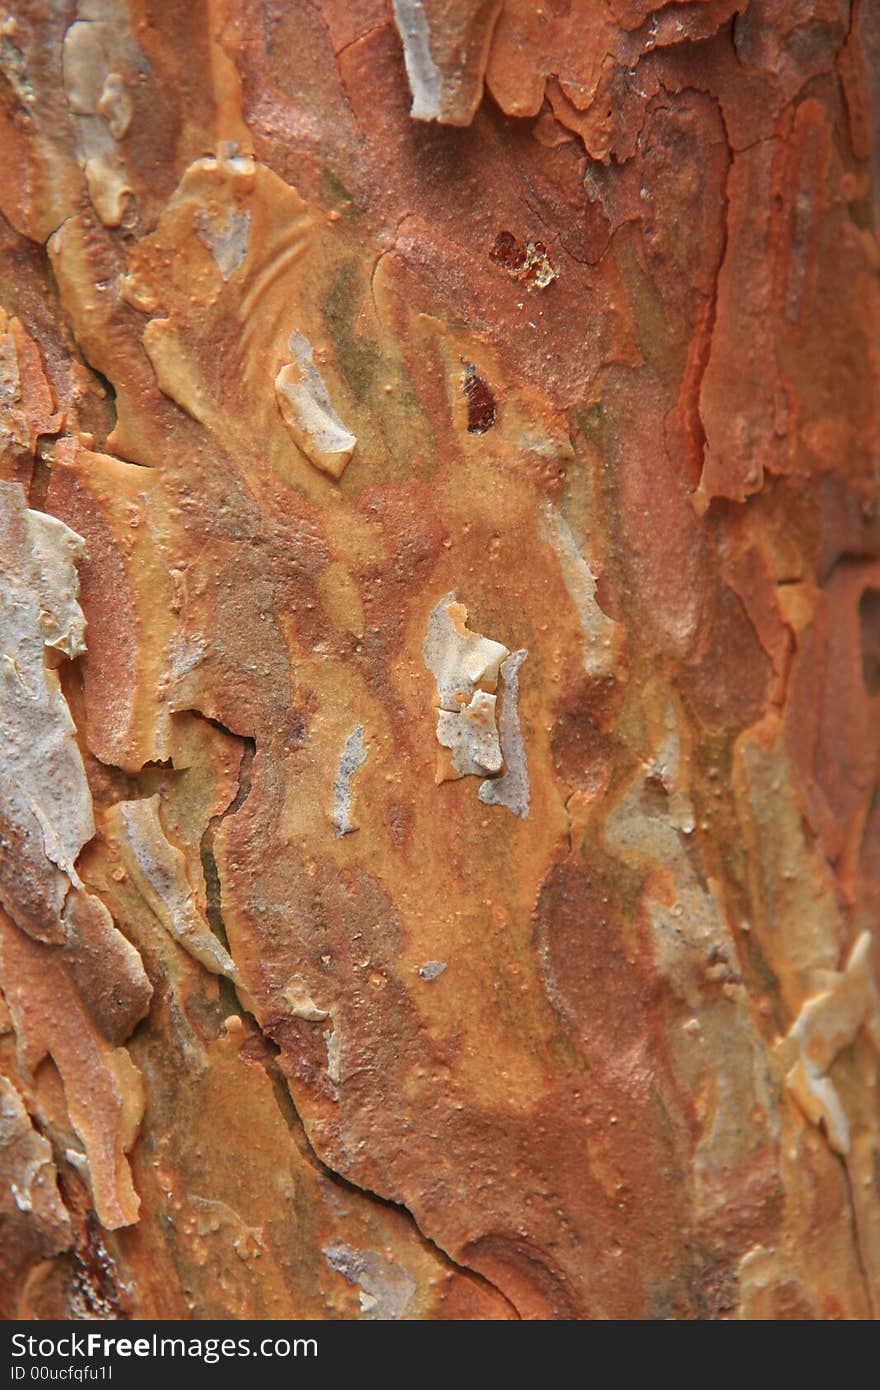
500,371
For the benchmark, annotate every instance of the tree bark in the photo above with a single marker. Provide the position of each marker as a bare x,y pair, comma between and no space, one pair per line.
440,842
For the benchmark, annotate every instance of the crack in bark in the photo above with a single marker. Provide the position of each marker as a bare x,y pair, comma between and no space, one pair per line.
387,251
707,329
352,43
287,1106
859,1244
281,1089
213,890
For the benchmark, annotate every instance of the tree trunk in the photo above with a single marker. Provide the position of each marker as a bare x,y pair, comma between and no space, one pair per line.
441,648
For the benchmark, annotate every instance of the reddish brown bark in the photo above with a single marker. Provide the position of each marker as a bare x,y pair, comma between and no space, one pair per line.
440,881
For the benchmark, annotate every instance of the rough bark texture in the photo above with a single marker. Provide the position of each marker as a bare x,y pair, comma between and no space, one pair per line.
438,877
